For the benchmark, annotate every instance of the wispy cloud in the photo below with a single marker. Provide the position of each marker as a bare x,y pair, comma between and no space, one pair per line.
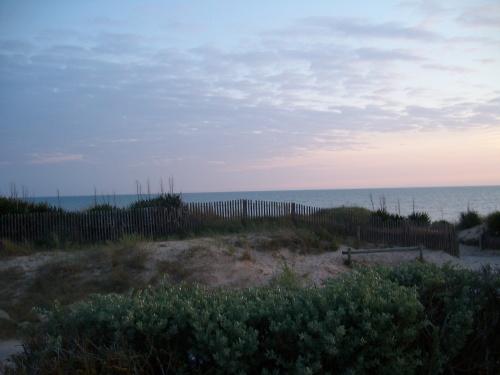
54,158
124,140
355,27
486,15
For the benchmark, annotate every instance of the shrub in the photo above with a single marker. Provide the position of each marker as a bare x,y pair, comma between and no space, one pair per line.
384,216
493,223
165,200
19,206
420,218
461,317
414,319
441,224
101,207
345,214
356,325
469,219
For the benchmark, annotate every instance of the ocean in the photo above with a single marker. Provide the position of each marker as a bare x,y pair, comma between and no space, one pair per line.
439,202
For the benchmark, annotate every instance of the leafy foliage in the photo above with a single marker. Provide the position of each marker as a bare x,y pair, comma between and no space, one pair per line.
469,219
346,215
19,206
101,207
356,325
166,200
414,319
385,216
493,223
461,317
420,218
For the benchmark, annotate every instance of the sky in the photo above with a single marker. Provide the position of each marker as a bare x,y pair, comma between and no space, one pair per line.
254,95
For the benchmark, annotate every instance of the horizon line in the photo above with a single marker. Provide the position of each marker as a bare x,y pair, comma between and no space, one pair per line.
265,191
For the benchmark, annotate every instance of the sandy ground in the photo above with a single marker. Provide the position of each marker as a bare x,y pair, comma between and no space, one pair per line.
230,261
9,347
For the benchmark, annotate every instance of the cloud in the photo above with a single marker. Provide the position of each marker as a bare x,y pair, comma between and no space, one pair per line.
124,140
487,15
447,68
54,158
352,27
262,100
381,54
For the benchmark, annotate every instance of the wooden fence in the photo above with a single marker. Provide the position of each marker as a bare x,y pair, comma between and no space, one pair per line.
95,226
489,241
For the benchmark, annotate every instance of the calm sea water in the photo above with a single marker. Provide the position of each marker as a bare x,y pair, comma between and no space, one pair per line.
439,202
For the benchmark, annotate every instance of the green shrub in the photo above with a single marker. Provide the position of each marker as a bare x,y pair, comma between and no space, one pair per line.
414,319
101,207
342,215
166,200
469,219
419,218
441,224
359,324
461,317
19,206
493,223
384,216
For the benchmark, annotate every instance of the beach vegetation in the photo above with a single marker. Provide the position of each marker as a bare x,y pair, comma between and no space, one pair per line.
493,223
420,218
101,207
469,219
164,200
412,319
10,205
384,216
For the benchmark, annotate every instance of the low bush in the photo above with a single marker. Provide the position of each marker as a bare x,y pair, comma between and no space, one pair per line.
469,219
462,317
356,325
414,319
166,200
493,223
19,206
441,224
385,216
419,218
101,207
345,214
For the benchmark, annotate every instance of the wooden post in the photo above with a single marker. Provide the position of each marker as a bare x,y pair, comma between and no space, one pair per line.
421,253
245,211
358,233
348,256
292,212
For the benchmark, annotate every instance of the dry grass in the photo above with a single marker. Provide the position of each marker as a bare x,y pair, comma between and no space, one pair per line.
247,255
175,272
118,267
301,240
12,249
110,268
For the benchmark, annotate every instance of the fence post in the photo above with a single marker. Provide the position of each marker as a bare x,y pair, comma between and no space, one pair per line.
292,212
245,211
358,233
348,256
421,254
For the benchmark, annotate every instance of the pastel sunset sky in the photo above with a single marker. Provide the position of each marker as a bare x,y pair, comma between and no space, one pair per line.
248,95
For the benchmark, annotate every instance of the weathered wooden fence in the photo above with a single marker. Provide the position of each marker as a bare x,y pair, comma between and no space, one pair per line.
95,226
489,241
